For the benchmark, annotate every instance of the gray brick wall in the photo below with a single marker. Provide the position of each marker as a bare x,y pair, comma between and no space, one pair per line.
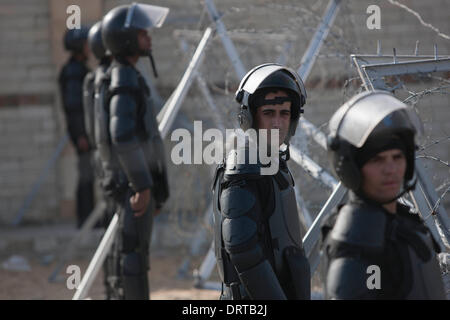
27,137
25,48
28,130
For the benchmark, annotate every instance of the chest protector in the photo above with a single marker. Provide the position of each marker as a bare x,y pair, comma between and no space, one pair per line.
366,232
282,236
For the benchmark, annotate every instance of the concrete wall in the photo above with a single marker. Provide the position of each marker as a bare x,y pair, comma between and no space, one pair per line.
31,54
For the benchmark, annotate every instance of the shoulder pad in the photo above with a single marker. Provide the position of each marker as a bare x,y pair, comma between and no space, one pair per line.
235,166
362,225
88,81
218,174
123,76
347,279
327,225
101,74
410,214
236,201
90,76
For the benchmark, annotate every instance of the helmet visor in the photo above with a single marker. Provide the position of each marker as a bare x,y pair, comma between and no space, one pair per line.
262,72
145,16
374,112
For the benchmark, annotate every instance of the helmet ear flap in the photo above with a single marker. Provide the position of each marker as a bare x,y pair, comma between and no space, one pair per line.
333,143
245,118
343,163
302,101
352,178
239,95
292,128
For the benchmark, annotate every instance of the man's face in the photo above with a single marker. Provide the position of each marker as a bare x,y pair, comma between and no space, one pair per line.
144,41
382,175
274,116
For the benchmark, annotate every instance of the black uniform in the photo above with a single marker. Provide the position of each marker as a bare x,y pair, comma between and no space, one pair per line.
372,253
90,88
365,234
132,152
71,83
258,240
129,142
91,85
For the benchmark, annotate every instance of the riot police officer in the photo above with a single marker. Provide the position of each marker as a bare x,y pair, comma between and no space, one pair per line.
372,150
92,81
258,240
129,142
71,83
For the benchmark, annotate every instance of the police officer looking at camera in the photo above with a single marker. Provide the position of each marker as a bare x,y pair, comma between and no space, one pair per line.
372,150
258,240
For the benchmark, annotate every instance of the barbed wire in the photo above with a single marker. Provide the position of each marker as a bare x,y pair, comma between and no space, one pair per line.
425,156
308,22
346,85
433,210
416,96
301,23
433,143
417,15
414,100
443,185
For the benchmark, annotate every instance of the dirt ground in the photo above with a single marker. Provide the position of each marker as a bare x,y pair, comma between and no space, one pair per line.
164,284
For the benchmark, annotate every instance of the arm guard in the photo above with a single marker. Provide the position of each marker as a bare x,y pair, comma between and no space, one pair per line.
123,127
347,279
240,237
88,106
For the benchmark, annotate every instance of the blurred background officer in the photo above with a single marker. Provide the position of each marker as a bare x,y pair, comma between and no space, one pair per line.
92,81
71,83
258,239
372,150
129,141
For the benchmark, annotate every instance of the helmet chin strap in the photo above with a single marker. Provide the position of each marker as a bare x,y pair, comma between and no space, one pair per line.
152,62
407,188
286,153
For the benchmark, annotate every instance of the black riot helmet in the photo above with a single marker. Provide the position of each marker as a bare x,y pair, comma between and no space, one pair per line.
95,41
74,39
258,82
367,124
120,27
